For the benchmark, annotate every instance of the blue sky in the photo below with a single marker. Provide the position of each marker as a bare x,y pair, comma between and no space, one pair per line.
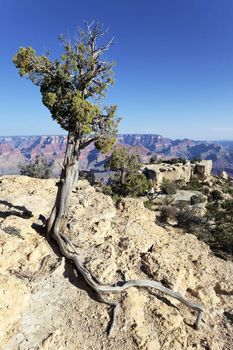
174,73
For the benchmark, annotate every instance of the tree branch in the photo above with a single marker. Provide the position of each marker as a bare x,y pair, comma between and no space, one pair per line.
86,143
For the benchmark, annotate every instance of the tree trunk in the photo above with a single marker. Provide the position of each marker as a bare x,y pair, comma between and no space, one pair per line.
58,219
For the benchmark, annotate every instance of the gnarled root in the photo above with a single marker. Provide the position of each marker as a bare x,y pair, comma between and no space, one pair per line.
65,244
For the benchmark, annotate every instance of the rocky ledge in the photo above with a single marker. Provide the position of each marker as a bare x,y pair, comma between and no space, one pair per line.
46,305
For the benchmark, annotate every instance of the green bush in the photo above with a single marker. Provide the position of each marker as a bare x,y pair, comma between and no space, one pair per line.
149,204
215,195
189,219
40,168
196,199
89,176
182,204
168,212
194,185
126,179
175,161
195,160
222,230
153,160
168,187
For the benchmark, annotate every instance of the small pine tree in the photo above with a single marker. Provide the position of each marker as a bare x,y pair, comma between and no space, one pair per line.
40,168
127,179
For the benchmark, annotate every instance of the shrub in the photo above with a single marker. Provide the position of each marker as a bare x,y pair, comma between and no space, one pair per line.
195,160
216,195
180,184
175,161
149,205
168,187
11,230
205,191
126,179
189,219
89,176
196,199
194,185
40,168
168,200
168,212
182,204
153,160
222,230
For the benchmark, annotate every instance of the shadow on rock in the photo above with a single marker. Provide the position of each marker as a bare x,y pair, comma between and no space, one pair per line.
20,211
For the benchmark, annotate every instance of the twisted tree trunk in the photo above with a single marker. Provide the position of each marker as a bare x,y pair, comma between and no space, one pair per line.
58,219
57,224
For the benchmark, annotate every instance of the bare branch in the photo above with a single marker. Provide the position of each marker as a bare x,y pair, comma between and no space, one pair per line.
87,142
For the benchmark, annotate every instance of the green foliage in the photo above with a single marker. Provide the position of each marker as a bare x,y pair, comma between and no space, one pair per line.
182,204
168,187
196,199
215,195
175,161
194,185
196,160
168,212
70,86
89,176
40,168
190,219
149,205
153,159
222,230
127,179
226,186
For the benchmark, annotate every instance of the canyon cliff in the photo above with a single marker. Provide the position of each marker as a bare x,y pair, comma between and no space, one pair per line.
16,149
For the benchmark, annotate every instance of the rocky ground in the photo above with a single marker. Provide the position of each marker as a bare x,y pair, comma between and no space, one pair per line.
44,304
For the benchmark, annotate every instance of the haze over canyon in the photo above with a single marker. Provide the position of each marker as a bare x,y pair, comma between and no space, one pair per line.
16,149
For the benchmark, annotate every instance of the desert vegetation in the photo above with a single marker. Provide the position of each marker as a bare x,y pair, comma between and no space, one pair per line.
126,178
40,168
207,214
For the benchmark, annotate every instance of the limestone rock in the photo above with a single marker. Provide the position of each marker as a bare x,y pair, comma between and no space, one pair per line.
57,310
224,175
177,172
203,169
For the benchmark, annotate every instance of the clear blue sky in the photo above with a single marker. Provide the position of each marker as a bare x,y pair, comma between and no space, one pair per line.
174,73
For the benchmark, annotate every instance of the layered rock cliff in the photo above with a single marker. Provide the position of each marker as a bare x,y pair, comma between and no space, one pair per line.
159,173
18,148
46,305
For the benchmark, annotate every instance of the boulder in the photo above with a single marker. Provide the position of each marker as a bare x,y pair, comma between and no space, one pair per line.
160,172
203,169
224,175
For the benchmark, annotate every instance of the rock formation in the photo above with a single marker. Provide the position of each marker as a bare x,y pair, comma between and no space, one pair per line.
175,172
46,305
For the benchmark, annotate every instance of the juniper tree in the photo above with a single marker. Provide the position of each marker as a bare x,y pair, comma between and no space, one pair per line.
70,88
127,179
40,167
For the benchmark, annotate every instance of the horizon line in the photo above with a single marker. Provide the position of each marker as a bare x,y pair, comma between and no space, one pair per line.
121,134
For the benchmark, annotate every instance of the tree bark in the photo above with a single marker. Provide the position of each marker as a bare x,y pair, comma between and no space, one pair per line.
58,219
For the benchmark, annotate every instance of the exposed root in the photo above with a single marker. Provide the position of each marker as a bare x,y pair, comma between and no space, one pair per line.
65,244
32,276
